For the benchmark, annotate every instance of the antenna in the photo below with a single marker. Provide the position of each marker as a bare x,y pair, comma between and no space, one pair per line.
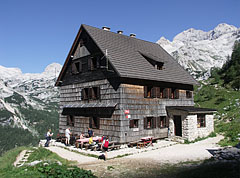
106,53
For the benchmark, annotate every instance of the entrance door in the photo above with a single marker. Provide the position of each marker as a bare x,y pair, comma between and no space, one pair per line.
178,125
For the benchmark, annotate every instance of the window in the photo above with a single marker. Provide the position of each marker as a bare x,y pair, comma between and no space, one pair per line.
70,120
133,123
188,94
90,93
94,122
201,120
93,63
76,67
174,93
149,122
166,93
147,91
163,122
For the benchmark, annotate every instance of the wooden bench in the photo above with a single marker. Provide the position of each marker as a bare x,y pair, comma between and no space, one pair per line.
131,144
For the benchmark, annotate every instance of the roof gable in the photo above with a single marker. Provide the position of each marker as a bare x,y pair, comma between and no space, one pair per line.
128,55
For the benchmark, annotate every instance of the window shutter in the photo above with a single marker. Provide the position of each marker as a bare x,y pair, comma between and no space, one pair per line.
98,93
176,93
89,63
131,123
98,62
82,94
153,92
90,96
145,91
170,93
154,122
165,93
74,69
158,92
145,123
80,66
158,122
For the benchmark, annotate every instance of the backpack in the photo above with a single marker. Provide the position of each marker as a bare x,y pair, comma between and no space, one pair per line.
106,143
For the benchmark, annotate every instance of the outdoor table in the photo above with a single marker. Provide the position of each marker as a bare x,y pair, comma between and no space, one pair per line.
86,140
147,140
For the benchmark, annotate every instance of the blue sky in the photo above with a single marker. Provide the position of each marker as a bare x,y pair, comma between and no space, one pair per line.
34,33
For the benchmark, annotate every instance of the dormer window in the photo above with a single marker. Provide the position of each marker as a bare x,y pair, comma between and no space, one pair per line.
154,61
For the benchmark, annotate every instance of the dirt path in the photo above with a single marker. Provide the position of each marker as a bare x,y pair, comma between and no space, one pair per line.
143,160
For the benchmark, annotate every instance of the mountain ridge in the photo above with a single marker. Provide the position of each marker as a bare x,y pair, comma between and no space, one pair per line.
198,51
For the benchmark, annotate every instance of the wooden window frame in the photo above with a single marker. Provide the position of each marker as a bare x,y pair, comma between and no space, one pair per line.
91,93
133,123
188,94
76,67
150,123
201,120
71,120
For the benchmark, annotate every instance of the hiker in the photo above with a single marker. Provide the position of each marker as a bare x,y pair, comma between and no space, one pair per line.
67,134
91,143
48,137
105,147
90,132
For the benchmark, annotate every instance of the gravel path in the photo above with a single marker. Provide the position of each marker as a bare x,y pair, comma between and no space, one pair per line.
72,156
167,154
181,152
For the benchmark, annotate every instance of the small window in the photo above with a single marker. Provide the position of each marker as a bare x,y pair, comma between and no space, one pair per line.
166,93
76,67
149,122
90,93
70,120
163,122
174,93
148,91
201,120
94,122
93,63
188,94
133,123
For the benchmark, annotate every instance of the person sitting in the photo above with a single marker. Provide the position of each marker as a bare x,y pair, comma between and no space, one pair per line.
48,137
81,136
91,143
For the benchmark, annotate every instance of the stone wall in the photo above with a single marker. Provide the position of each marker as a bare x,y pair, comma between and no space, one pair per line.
190,131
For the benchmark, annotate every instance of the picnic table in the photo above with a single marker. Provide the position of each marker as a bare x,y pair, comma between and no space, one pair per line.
86,140
147,141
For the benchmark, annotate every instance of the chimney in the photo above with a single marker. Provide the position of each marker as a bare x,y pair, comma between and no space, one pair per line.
106,28
120,32
132,35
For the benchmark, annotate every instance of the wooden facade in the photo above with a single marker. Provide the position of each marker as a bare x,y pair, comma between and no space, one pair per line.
127,98
101,88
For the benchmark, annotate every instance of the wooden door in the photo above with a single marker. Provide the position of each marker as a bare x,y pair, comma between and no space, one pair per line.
178,125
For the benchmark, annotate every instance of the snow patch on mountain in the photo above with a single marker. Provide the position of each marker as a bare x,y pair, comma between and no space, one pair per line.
22,91
198,51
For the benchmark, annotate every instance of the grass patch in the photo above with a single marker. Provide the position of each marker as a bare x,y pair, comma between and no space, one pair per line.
227,102
48,168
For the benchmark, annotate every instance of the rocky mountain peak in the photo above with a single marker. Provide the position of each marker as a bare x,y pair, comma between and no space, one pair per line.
198,51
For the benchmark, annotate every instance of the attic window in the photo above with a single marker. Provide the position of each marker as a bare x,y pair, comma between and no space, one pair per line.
154,61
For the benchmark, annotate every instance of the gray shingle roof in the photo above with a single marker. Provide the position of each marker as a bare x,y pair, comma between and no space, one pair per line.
191,109
125,53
